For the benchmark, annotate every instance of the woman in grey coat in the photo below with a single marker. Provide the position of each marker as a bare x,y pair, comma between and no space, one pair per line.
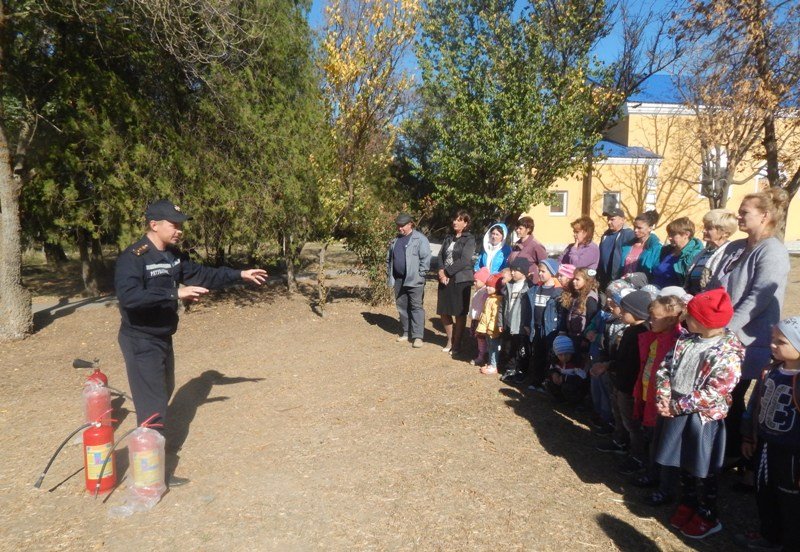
754,271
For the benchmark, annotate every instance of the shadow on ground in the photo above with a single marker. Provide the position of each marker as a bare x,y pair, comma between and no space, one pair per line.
391,325
564,431
45,317
183,409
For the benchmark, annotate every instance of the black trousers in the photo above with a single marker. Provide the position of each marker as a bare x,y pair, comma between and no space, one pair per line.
778,495
150,363
540,355
518,353
733,421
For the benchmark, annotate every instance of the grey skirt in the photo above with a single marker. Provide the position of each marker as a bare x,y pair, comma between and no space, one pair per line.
687,443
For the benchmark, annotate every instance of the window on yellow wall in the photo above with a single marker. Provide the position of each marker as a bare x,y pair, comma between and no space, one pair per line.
610,201
558,205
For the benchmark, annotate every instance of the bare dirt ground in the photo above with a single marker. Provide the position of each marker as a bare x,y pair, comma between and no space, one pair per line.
301,434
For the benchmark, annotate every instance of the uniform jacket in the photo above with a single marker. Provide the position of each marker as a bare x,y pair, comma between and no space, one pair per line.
463,251
649,258
418,260
146,281
645,410
552,318
489,321
715,380
500,252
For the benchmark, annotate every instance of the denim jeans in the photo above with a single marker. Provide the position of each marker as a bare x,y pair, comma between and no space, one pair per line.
601,397
494,350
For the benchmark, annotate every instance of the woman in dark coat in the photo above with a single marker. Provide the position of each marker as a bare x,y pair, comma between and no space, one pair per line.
455,280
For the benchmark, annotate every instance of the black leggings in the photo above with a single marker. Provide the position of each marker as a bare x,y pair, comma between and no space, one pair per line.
700,493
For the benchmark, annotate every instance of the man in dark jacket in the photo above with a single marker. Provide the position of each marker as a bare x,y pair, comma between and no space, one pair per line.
610,266
146,279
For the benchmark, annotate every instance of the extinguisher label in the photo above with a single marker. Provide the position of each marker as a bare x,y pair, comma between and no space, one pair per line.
146,468
95,456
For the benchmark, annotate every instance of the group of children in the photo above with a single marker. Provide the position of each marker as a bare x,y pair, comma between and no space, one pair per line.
659,366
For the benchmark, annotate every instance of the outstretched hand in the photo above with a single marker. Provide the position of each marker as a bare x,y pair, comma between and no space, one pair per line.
255,276
191,294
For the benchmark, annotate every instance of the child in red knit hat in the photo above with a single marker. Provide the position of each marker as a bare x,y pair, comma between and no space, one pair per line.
693,391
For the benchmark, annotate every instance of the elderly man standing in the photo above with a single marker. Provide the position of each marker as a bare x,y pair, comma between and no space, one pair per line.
407,262
610,266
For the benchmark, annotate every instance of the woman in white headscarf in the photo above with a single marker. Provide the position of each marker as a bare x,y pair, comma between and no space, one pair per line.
495,250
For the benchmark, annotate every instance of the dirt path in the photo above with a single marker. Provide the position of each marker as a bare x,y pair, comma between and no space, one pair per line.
301,433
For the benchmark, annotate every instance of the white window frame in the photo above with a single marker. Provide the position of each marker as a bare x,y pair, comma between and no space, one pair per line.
651,186
565,198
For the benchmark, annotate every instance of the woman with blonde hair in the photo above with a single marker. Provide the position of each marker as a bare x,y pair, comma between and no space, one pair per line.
718,226
754,271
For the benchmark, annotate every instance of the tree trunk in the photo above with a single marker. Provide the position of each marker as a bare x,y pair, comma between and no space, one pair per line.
771,152
219,256
586,194
88,272
54,254
289,258
322,291
98,264
16,315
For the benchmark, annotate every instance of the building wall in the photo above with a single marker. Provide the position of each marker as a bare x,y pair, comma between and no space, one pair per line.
675,181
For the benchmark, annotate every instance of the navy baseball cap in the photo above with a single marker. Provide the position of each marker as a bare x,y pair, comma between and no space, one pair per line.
615,212
164,209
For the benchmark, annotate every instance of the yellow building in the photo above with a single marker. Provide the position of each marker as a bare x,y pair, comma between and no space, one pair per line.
649,159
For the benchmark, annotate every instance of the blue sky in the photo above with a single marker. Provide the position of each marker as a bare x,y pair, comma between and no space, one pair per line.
606,50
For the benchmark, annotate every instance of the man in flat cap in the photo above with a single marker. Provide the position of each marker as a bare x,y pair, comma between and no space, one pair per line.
146,279
407,262
610,266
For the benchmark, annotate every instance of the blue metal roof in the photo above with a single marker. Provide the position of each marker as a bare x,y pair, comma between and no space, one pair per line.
660,89
607,148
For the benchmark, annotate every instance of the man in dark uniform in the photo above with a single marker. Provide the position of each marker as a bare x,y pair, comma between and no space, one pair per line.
147,278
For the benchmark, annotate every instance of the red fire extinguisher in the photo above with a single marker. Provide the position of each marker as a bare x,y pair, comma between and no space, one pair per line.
98,457
99,377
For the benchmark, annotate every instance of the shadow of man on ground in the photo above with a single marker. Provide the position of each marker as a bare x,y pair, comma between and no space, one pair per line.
183,409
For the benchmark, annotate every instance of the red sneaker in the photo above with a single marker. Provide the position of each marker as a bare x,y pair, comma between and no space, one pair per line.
700,527
682,516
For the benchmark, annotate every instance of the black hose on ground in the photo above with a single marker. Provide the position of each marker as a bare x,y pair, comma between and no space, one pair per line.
38,483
